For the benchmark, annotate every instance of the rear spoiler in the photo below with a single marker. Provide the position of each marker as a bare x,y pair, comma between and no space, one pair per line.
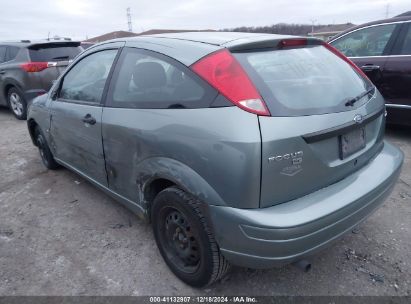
53,44
270,43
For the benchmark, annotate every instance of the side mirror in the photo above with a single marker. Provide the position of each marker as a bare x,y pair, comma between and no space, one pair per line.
53,95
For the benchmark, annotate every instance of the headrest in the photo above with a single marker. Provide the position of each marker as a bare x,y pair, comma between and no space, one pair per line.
149,75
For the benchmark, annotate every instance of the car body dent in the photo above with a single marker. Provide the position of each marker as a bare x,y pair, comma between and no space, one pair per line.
38,111
178,173
178,135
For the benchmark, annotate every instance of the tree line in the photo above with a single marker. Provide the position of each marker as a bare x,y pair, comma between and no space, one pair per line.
279,28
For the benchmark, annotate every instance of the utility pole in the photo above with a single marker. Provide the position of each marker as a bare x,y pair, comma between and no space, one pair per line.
312,25
130,25
387,10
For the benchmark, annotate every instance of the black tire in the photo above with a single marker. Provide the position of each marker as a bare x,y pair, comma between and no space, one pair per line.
185,239
17,103
46,156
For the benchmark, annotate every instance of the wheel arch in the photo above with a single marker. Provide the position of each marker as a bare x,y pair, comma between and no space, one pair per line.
8,84
6,90
31,125
159,173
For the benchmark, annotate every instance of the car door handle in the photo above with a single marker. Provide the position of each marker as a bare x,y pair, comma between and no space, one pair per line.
88,119
370,67
2,72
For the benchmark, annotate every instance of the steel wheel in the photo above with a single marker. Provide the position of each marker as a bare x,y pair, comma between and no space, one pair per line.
180,240
16,104
184,238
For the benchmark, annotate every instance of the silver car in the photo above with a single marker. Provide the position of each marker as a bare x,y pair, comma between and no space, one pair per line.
28,68
247,149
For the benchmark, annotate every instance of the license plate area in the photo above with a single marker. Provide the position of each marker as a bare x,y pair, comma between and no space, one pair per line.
352,142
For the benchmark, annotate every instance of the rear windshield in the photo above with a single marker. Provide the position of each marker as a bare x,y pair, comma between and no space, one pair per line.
303,81
53,52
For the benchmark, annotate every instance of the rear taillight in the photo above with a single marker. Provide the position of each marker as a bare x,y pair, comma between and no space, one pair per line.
346,59
223,72
31,67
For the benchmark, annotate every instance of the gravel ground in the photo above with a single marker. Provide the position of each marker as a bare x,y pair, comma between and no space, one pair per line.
61,236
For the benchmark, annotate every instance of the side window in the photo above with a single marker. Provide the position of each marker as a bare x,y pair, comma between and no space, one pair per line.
145,79
406,47
366,42
86,80
2,53
11,53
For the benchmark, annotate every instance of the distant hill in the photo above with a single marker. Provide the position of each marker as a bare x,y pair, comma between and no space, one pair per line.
123,34
406,14
111,35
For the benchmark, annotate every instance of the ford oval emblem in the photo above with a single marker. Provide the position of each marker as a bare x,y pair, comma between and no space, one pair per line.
358,118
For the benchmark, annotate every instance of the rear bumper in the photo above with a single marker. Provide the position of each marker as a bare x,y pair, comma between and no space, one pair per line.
273,236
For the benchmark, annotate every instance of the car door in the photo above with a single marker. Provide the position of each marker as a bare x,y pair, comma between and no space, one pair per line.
76,115
397,85
369,48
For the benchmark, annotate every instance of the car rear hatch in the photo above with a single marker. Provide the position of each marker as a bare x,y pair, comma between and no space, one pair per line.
325,120
49,60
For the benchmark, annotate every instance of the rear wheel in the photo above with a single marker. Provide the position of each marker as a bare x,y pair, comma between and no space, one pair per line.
185,240
17,103
44,150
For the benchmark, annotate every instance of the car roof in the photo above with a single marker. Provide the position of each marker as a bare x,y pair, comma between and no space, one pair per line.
377,22
188,47
214,38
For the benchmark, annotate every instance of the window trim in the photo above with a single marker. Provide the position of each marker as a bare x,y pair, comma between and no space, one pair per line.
210,93
84,102
390,44
399,44
7,52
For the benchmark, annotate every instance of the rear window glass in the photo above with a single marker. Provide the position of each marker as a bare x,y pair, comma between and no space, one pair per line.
303,81
54,53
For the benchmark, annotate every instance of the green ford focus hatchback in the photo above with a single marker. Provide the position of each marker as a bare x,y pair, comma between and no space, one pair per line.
246,149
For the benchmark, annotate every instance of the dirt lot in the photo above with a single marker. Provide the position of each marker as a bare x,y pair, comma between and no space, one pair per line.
61,236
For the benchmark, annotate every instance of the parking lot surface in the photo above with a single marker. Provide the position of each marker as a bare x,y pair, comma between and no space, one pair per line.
59,235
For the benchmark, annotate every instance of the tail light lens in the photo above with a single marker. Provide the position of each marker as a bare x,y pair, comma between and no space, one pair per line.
346,59
224,73
31,67
293,42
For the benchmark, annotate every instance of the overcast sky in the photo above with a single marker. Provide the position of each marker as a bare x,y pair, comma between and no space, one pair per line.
31,19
